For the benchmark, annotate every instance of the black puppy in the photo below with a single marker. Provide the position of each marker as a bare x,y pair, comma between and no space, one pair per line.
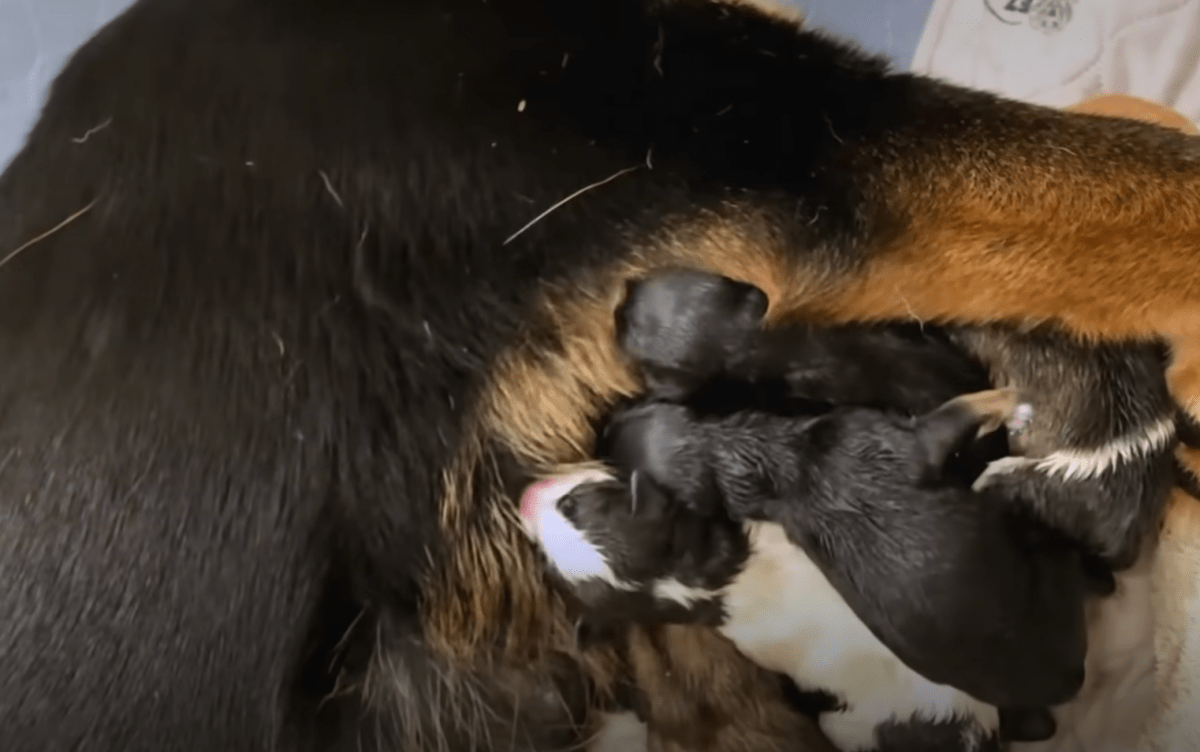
1097,456
695,334
871,489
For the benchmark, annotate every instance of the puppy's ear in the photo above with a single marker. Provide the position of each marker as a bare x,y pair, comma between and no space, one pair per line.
648,499
621,315
1098,575
632,285
950,429
647,437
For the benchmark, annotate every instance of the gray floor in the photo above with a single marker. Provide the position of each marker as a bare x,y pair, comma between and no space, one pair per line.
37,36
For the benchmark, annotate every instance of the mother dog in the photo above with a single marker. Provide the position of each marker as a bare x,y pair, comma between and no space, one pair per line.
280,342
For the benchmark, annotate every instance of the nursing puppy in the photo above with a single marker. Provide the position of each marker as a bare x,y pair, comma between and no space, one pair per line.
964,588
694,334
1096,458
629,552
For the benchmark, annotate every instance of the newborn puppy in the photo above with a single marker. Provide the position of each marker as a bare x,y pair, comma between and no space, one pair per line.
967,590
1098,461
694,333
629,552
1097,456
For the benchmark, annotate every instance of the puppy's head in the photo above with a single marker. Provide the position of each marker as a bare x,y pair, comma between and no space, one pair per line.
599,533
627,551
684,326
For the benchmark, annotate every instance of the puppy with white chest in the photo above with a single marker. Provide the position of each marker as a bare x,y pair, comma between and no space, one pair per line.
626,550
966,589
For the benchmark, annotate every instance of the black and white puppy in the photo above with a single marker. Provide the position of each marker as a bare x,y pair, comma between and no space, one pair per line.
965,588
1096,462
628,551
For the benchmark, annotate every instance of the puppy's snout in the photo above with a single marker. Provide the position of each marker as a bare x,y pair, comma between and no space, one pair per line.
757,302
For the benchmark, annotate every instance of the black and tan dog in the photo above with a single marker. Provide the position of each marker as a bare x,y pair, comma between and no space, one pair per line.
282,340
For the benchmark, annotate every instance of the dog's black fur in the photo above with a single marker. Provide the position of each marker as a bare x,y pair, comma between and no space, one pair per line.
233,382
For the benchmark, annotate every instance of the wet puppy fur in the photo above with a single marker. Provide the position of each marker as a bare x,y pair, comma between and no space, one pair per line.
627,551
1096,458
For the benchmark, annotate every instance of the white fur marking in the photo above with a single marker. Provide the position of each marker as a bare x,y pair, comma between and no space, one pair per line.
675,591
570,552
1082,464
785,616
